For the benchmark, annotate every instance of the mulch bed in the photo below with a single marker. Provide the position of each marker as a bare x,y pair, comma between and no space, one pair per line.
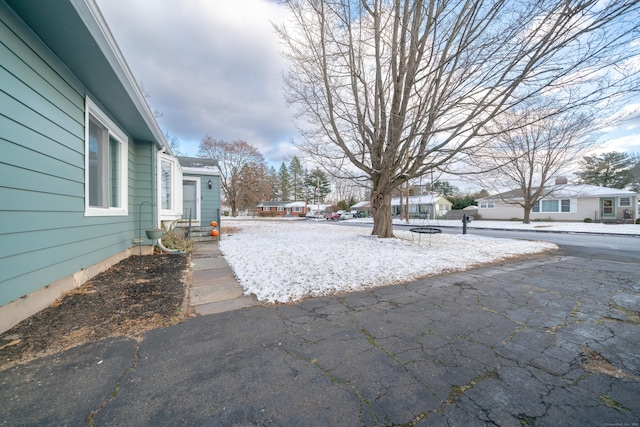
136,295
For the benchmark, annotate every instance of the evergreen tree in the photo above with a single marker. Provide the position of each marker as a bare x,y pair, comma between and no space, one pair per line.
606,170
634,170
296,173
316,185
284,182
461,202
444,188
274,180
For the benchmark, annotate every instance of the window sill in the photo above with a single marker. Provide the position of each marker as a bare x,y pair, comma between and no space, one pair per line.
105,212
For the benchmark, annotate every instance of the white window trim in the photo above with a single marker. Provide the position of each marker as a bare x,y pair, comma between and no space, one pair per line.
489,204
91,109
627,198
175,211
573,206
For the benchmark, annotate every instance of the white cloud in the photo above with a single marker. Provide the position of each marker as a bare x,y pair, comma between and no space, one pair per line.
212,67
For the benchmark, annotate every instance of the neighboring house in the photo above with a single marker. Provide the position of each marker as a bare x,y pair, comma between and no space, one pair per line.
200,190
363,209
283,208
426,206
566,202
84,168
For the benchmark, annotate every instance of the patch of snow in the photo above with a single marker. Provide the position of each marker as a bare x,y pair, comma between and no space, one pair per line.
285,261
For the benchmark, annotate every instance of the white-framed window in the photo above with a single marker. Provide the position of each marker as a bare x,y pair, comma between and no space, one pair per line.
266,208
106,163
280,208
489,204
170,195
297,209
624,201
553,206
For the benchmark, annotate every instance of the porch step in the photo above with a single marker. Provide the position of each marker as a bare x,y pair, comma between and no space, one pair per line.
198,234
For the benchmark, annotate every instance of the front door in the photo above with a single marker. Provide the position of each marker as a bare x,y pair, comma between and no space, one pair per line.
608,207
190,200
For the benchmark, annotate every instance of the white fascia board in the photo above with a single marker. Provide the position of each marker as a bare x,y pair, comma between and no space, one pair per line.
201,171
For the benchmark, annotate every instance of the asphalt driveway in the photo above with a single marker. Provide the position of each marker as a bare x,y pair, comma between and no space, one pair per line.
550,341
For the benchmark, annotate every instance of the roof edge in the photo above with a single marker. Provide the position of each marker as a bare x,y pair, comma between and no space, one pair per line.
95,23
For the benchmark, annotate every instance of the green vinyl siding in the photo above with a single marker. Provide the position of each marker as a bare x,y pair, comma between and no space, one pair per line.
144,187
44,233
210,199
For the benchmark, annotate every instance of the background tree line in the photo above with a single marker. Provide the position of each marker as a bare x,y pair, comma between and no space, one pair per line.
246,179
391,90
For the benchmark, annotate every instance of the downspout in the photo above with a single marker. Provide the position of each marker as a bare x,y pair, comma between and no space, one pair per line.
171,251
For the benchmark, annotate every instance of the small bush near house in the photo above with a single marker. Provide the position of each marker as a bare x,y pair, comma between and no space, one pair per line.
172,240
588,220
548,219
514,219
638,221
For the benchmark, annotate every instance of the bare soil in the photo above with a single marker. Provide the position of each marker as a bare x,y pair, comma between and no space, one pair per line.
134,296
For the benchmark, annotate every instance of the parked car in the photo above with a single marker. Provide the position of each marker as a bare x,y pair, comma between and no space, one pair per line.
332,215
313,215
346,215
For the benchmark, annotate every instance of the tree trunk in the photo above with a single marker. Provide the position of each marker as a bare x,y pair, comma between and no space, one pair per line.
527,215
381,212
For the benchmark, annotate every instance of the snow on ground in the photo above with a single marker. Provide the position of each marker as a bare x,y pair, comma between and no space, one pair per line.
285,261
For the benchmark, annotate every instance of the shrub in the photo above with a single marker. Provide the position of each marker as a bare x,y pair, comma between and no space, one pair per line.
588,220
638,221
172,240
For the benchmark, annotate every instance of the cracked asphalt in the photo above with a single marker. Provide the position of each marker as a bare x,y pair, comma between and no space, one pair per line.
544,342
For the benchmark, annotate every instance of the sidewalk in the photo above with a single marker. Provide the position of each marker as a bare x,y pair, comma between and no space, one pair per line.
214,288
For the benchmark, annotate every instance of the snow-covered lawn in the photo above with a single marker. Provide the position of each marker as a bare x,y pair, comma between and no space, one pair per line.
285,261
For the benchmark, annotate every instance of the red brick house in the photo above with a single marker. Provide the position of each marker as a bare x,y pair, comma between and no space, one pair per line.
282,209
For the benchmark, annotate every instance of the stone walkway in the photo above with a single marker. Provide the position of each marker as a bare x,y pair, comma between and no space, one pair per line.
214,288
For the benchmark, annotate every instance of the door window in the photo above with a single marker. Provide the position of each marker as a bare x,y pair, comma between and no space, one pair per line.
190,199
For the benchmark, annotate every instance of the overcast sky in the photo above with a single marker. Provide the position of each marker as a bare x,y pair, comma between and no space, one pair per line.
213,67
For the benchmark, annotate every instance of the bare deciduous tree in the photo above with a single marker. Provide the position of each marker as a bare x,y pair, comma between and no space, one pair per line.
397,88
236,161
255,185
532,147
